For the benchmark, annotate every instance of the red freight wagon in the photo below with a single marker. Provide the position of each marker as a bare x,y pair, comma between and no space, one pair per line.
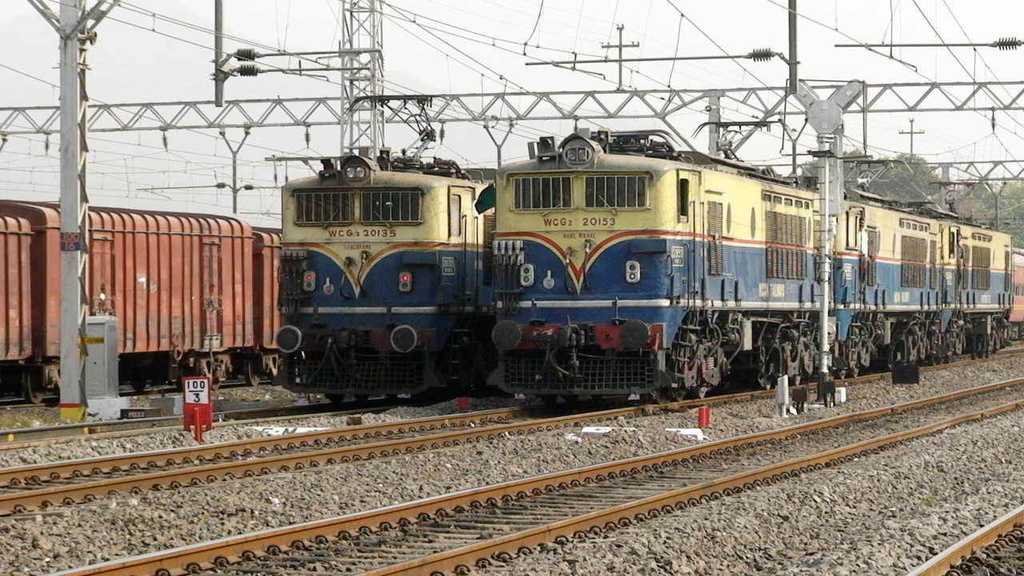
1017,311
266,312
182,285
15,294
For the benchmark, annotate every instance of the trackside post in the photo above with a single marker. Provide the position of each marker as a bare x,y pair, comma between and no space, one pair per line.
198,405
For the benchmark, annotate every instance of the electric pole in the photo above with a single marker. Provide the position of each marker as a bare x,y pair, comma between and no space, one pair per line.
620,46
911,132
234,166
76,27
793,62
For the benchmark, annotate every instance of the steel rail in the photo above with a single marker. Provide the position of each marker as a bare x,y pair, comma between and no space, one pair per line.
624,515
11,436
174,456
32,497
946,561
29,494
221,553
15,438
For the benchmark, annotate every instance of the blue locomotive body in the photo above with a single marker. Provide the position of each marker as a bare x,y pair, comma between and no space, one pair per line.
623,267
383,285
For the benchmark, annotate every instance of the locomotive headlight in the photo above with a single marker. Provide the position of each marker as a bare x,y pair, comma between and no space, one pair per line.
355,172
526,275
632,271
578,153
405,281
309,280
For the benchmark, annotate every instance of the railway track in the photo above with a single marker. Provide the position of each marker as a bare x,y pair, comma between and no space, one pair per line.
993,550
20,437
13,438
69,482
475,527
28,488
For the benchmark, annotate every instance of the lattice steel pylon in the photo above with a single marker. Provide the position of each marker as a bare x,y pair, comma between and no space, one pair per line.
362,55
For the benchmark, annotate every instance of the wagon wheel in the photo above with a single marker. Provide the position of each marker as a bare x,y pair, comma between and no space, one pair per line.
251,373
32,386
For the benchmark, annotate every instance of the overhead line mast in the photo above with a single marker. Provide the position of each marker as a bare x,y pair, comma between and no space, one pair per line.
76,27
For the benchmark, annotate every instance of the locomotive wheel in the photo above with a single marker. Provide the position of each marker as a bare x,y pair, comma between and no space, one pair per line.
771,369
899,352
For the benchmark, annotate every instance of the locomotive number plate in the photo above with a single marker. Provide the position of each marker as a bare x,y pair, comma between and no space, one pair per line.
448,265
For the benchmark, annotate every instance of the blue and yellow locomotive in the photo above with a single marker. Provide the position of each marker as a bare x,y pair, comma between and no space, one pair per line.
382,279
626,267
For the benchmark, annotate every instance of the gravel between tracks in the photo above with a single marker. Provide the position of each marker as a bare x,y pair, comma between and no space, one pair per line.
124,526
883,514
76,447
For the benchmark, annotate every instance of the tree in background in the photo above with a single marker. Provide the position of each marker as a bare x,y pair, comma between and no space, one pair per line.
1004,202
904,178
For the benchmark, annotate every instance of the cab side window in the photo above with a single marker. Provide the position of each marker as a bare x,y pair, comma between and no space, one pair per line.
684,199
454,215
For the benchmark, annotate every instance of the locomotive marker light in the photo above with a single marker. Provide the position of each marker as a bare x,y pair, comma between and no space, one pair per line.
198,411
405,281
632,272
309,280
526,275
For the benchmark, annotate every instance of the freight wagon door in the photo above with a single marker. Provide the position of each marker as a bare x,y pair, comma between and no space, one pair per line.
212,316
101,281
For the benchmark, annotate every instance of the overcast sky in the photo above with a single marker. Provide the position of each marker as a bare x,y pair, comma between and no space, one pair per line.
150,50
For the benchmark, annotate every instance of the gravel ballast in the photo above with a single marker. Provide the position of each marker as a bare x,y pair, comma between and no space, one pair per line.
124,526
882,514
77,447
738,418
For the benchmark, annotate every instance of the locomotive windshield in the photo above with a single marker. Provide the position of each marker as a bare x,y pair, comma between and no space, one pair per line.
599,191
326,207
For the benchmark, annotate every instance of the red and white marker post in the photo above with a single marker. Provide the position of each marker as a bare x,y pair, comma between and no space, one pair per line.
198,409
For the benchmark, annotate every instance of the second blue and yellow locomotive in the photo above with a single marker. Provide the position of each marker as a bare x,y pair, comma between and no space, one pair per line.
383,286
626,267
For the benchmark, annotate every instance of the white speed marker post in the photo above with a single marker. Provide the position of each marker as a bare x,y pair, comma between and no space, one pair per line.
198,409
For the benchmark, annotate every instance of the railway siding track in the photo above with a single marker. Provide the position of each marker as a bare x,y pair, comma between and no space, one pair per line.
991,548
15,438
364,536
82,481
64,483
